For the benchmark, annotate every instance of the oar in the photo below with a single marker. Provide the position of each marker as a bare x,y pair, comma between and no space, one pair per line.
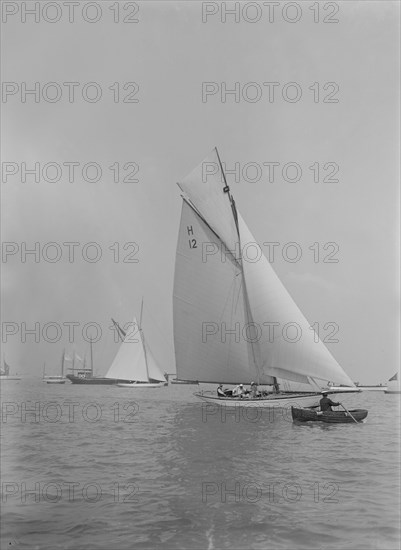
346,410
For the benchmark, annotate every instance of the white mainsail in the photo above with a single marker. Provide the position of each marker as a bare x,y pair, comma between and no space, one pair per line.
133,361
209,302
217,291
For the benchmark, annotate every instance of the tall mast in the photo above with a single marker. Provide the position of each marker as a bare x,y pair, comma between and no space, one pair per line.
143,340
62,363
90,341
226,189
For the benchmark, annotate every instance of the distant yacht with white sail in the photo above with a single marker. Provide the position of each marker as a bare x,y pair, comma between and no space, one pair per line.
223,299
5,373
393,385
135,364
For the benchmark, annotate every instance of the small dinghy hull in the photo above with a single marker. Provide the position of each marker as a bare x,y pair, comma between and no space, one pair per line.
331,417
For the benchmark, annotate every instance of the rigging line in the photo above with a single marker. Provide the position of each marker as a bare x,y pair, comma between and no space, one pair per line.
231,257
248,312
193,207
234,303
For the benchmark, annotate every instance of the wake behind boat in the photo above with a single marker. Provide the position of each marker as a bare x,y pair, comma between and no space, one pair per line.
223,299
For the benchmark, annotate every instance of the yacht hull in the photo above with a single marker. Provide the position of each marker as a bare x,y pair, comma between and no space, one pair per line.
92,380
279,401
140,385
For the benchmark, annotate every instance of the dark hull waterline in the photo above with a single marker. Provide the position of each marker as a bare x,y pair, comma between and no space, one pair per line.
94,380
102,380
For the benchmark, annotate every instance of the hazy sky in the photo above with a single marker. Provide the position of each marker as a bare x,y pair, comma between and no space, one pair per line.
168,53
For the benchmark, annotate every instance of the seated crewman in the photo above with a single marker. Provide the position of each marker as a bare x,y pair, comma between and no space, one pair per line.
238,390
326,403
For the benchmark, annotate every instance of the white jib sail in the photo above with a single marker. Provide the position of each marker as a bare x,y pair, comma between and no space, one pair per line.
290,348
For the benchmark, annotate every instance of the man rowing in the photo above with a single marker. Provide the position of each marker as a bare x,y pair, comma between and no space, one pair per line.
326,403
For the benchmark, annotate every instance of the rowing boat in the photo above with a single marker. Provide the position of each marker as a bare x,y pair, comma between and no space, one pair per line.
335,417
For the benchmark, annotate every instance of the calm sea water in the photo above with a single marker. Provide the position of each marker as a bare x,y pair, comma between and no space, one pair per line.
101,467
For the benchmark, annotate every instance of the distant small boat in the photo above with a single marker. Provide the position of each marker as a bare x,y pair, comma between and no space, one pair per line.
393,385
344,389
5,372
56,379
330,417
379,387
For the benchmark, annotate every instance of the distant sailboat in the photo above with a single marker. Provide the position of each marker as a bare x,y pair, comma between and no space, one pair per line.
371,387
135,362
393,385
5,372
57,379
222,300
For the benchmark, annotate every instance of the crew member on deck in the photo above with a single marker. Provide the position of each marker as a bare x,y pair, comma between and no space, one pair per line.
326,403
254,390
220,391
238,391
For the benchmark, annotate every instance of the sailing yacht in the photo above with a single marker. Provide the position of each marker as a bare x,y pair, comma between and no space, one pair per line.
393,385
134,363
223,299
5,372
84,375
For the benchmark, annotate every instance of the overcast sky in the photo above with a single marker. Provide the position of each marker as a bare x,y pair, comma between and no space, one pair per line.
168,53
